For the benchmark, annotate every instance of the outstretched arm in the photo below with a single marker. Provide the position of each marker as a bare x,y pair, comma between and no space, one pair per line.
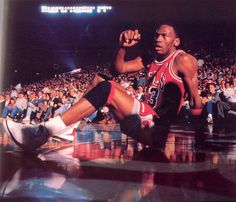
127,39
186,66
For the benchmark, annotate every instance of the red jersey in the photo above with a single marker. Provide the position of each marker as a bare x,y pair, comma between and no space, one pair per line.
165,90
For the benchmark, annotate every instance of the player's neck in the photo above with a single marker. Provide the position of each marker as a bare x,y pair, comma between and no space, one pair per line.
164,56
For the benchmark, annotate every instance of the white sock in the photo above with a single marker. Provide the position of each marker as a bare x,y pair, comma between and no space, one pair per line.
56,126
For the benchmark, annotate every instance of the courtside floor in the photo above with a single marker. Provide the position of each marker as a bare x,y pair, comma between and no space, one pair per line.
105,165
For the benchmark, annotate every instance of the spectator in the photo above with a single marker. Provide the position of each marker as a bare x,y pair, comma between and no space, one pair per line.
42,105
8,106
53,104
230,103
20,105
140,94
32,107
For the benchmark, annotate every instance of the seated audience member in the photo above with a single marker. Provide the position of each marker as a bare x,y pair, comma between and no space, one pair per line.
212,98
230,92
230,103
20,105
2,102
73,96
64,105
42,105
8,106
32,107
140,94
53,105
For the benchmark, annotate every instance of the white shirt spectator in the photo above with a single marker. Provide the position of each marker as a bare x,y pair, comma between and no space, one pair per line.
230,94
21,102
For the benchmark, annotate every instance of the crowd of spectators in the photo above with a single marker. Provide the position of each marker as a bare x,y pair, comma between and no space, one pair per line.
43,100
217,82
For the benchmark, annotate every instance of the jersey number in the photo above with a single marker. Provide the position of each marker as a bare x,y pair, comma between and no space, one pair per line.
153,98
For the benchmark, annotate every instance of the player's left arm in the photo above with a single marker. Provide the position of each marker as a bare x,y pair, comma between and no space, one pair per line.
186,66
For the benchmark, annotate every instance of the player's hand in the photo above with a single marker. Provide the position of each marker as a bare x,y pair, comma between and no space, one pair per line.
129,38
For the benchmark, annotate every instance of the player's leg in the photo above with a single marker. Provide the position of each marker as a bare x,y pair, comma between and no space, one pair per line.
95,81
104,93
30,137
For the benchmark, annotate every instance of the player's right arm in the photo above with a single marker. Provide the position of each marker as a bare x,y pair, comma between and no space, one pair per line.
127,39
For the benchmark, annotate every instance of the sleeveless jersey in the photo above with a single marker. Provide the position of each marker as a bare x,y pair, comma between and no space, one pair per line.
165,90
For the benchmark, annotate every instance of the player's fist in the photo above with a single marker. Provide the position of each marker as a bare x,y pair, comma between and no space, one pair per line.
129,38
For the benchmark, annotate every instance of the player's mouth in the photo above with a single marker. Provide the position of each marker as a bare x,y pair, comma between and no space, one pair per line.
158,47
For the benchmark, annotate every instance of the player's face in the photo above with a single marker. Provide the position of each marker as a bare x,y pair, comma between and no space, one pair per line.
165,40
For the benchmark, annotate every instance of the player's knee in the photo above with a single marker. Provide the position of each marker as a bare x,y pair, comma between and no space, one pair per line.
101,94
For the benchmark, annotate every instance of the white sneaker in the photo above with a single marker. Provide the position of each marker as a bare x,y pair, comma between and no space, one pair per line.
26,136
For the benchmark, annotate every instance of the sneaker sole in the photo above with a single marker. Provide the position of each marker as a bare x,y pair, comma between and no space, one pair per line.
6,127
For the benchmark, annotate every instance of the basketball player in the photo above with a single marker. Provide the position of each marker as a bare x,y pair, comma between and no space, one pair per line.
170,75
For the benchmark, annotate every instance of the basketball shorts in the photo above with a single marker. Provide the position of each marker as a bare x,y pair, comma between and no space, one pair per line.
145,112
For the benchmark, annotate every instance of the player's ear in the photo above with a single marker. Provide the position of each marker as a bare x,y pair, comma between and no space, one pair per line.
177,42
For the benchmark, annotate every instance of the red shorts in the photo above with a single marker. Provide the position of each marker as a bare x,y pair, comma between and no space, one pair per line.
145,112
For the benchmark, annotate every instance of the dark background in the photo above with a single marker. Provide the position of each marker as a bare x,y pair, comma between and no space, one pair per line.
48,44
